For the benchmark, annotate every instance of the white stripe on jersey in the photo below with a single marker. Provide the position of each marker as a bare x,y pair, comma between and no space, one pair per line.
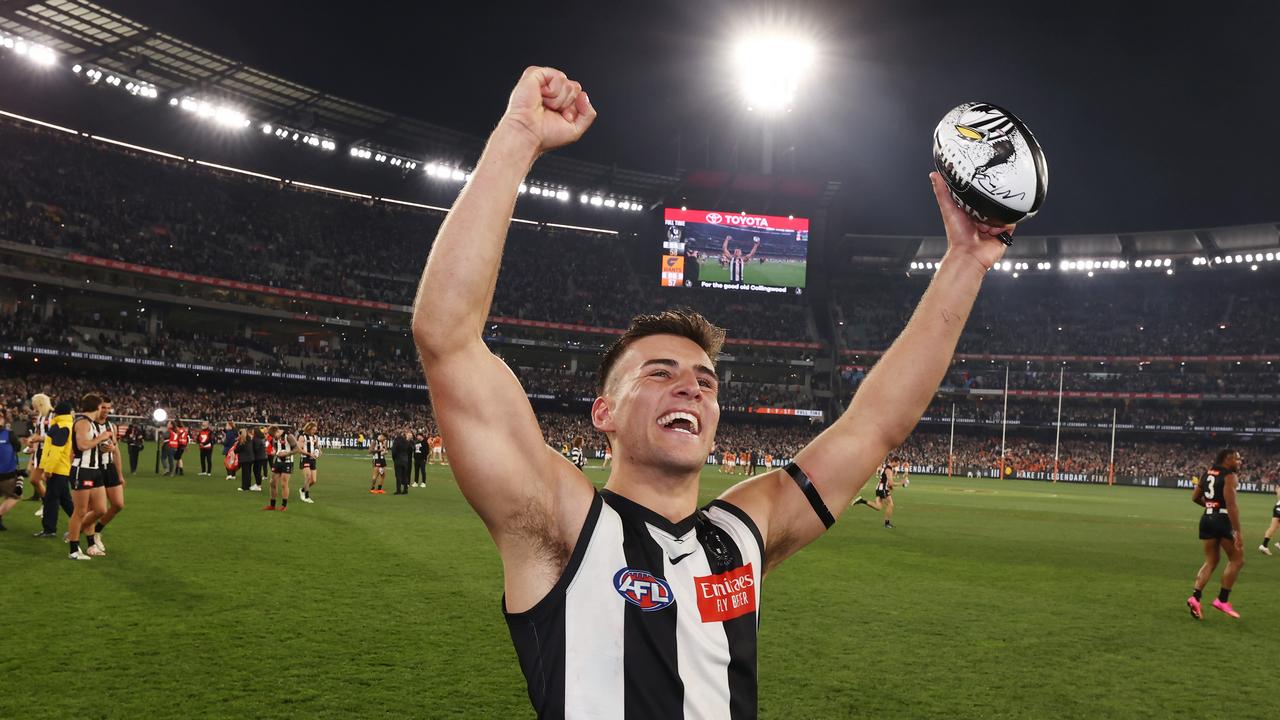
593,681
702,649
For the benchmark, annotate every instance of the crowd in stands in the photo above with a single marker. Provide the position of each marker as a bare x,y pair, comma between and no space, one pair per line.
977,455
1042,412
1128,379
172,215
1117,313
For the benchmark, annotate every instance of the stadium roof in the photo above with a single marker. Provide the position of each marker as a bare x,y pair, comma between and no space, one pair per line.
88,33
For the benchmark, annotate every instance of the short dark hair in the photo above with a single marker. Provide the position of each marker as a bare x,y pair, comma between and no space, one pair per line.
1223,454
90,402
683,322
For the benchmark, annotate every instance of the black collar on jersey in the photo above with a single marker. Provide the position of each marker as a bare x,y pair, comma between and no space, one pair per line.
810,492
626,506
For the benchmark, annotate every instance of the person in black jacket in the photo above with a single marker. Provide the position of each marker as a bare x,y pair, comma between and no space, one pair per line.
243,448
420,451
134,438
402,457
259,444
229,438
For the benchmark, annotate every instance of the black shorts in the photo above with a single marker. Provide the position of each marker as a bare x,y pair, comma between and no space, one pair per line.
110,478
882,494
177,452
1275,512
39,453
283,467
1215,526
9,485
380,463
86,479
308,463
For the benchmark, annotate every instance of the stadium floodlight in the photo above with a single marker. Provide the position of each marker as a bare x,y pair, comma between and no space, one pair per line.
1169,271
535,190
771,64
458,175
266,128
597,201
1090,273
160,415
1253,267
584,198
1015,275
562,195
1271,256
1248,258
1238,258
610,203
76,68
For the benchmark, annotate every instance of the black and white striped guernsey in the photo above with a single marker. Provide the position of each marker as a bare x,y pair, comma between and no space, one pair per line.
736,265
92,457
651,619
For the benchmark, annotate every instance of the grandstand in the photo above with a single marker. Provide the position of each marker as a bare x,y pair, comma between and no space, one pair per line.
261,281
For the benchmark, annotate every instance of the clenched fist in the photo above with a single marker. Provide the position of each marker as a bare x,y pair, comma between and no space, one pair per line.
550,107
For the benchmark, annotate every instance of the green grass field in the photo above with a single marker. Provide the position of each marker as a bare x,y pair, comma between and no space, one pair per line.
771,273
991,599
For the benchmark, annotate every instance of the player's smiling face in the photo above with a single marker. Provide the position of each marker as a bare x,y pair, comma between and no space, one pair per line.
661,404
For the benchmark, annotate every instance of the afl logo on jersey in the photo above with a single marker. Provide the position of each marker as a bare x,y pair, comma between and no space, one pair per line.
643,589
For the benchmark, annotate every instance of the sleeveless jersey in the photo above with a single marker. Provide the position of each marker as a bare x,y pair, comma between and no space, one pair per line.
108,458
90,458
883,485
736,264
650,619
310,444
379,449
578,457
1214,498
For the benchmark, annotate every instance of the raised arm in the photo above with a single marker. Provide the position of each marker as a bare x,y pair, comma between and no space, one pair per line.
754,247
528,497
888,403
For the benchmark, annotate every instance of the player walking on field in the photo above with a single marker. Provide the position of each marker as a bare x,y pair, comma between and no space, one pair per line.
309,448
1275,523
633,600
1219,531
378,449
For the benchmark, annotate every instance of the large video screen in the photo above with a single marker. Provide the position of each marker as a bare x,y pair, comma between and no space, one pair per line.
734,251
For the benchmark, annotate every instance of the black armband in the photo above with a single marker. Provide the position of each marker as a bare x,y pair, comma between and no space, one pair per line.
810,492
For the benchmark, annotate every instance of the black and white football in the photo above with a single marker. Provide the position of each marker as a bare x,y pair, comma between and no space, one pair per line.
992,163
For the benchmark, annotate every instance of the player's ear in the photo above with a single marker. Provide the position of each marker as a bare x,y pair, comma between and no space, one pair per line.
602,415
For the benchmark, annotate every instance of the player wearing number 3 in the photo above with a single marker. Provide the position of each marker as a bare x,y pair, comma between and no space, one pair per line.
1219,530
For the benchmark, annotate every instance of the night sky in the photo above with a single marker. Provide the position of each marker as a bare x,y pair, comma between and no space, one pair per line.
1152,115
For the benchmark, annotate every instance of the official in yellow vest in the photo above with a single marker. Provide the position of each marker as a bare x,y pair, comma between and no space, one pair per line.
55,461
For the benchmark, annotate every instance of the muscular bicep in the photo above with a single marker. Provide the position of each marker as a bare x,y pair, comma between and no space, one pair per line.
496,449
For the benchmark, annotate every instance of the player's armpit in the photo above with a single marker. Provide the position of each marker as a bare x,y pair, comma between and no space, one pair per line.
495,446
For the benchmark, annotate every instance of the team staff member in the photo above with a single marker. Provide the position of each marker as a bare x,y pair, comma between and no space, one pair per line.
259,447
169,449
229,437
419,460
204,439
402,458
90,443
243,448
1219,531
134,439
604,590
10,477
55,464
184,439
